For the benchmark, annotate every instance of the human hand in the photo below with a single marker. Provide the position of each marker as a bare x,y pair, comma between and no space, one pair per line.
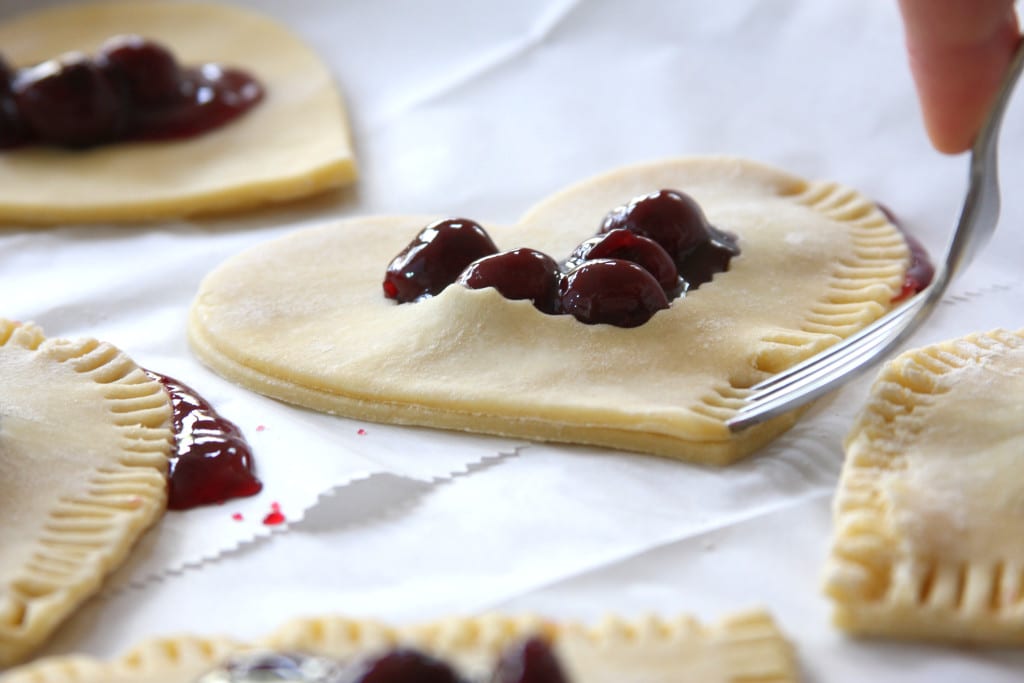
959,51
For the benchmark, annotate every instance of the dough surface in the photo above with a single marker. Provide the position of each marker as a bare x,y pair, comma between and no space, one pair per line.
745,647
930,508
293,144
303,319
85,438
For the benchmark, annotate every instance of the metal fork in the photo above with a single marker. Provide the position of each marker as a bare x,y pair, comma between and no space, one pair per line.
841,362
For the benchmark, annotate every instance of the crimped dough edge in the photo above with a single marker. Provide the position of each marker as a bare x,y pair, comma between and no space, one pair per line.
878,586
740,648
90,534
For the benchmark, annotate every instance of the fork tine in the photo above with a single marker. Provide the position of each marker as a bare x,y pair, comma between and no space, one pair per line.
879,327
764,405
824,363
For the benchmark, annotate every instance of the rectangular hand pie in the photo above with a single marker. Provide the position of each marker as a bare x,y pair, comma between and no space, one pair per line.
929,516
742,648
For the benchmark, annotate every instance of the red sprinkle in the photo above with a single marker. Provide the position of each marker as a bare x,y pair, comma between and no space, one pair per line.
275,516
260,428
361,432
237,517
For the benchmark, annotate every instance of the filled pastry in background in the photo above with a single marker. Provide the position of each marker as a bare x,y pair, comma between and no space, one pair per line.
501,649
645,345
128,112
85,438
929,513
93,449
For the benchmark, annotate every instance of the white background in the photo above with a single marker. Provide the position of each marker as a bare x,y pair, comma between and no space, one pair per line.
482,109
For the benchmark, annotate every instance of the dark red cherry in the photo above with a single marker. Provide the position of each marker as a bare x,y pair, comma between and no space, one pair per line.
629,246
12,127
148,72
68,101
610,291
435,258
531,661
403,666
670,218
517,274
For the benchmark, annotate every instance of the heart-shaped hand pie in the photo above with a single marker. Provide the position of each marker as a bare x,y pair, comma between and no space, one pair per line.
84,443
303,318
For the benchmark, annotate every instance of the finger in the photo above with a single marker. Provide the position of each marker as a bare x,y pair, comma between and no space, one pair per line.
959,51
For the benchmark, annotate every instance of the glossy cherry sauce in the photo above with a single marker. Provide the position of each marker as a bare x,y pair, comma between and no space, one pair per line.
921,271
646,253
132,89
212,462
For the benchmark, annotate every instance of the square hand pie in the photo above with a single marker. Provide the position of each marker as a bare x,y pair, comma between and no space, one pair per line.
303,319
85,437
746,647
292,144
929,516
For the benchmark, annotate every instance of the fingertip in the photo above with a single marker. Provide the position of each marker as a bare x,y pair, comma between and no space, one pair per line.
948,141
959,51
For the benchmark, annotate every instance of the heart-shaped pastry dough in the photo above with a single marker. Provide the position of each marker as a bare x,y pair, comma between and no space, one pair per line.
293,144
85,437
744,647
303,319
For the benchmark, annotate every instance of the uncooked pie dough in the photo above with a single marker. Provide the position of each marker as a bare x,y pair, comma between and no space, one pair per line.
746,647
84,440
303,319
930,510
293,144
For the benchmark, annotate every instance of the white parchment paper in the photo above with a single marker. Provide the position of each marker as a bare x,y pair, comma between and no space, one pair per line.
482,109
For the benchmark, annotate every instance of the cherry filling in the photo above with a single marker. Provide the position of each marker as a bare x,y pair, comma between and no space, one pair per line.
648,252
213,462
920,271
629,246
529,661
611,291
132,89
404,665
432,261
518,274
676,222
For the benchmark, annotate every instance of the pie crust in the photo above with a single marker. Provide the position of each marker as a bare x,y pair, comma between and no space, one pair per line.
84,440
747,647
293,144
930,508
303,319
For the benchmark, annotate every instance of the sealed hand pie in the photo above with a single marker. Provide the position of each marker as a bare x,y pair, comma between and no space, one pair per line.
292,143
303,318
929,514
85,437
745,647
